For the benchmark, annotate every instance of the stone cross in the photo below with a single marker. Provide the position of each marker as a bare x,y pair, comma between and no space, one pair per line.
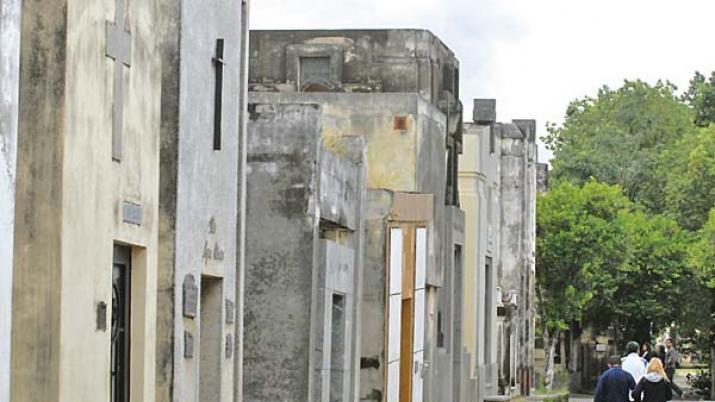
219,62
119,48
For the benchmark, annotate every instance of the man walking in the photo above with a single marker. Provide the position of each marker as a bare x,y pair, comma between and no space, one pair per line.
632,363
672,360
616,384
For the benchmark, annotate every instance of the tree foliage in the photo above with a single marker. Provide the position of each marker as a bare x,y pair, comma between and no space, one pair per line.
701,97
689,172
576,242
604,261
618,137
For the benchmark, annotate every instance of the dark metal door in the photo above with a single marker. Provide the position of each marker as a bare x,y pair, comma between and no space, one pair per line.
121,318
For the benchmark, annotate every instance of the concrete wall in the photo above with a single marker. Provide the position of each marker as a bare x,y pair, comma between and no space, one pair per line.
282,152
372,373
479,195
199,195
518,230
71,198
446,384
391,61
365,61
9,78
304,244
410,160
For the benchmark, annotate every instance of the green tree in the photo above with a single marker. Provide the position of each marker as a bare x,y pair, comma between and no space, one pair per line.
701,97
577,239
618,137
646,291
702,257
689,171
702,252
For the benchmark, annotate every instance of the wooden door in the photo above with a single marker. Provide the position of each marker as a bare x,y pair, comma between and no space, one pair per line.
406,313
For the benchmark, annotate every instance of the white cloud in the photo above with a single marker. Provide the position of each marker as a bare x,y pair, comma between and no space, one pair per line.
533,56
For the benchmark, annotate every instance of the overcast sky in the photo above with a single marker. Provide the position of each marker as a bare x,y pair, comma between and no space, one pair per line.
533,56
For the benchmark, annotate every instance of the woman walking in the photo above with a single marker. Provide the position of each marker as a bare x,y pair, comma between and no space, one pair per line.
654,386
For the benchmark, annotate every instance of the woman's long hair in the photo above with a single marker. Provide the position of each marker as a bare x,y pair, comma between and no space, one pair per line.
656,366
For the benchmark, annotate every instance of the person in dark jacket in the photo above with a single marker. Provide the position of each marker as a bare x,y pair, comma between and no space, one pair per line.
647,351
615,384
660,352
654,386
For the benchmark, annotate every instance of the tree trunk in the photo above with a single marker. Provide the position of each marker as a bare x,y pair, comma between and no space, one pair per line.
550,340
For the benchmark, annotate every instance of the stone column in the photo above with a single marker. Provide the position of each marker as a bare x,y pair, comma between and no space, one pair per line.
9,77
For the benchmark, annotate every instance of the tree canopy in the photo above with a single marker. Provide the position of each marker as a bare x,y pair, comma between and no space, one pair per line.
605,262
701,97
618,137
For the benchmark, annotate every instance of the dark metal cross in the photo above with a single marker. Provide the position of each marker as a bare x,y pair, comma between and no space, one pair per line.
119,48
219,63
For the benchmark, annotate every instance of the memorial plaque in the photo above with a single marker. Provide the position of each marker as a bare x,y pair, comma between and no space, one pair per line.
190,296
132,213
188,345
212,225
228,349
230,311
101,316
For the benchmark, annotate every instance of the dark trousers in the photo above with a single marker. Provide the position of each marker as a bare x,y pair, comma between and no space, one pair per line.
670,371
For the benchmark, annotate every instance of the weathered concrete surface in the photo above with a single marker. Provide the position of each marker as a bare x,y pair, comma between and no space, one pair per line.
542,177
479,183
70,195
9,79
390,61
304,245
518,229
364,61
398,89
199,197
373,360
410,160
447,360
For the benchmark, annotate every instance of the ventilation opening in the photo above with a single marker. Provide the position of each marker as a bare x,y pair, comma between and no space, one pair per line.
399,123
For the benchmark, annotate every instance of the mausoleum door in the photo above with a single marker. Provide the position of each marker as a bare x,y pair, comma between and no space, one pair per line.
406,312
121,319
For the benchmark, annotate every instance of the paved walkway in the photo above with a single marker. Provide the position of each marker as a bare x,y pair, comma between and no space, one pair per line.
589,398
679,379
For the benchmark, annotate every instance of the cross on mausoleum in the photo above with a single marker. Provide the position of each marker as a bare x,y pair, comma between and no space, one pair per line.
219,62
119,48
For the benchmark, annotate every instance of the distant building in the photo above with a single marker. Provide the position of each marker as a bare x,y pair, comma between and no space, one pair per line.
480,188
497,187
398,90
516,272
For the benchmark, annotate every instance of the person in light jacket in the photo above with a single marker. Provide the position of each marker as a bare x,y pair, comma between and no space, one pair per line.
654,386
632,363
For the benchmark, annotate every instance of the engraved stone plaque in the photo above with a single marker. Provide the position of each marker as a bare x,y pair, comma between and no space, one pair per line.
188,345
101,316
190,296
228,348
132,213
230,311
